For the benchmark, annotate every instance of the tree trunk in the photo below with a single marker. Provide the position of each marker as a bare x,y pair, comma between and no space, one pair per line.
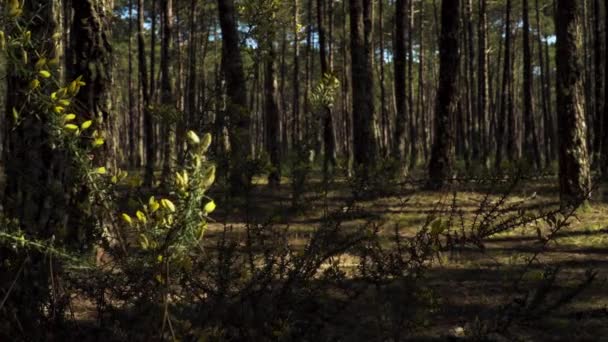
505,105
440,166
604,148
531,147
599,79
364,138
272,117
399,63
143,78
237,98
574,176
483,108
329,137
37,191
166,95
295,112
410,88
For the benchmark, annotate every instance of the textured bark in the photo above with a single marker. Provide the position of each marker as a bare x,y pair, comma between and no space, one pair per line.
399,63
483,108
191,100
329,136
574,176
295,113
236,90
39,185
143,79
598,80
531,147
548,131
271,110
410,87
440,166
92,52
506,100
604,148
364,135
166,91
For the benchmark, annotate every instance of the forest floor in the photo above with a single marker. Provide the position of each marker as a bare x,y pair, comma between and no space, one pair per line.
469,283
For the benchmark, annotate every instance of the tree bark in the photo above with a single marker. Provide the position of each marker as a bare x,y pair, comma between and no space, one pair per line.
166,95
329,137
483,108
574,175
364,136
236,90
143,78
399,63
440,166
531,146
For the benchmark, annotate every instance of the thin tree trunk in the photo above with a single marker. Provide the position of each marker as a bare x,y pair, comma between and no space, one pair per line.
410,87
505,112
530,139
166,89
399,63
143,77
482,84
329,157
295,113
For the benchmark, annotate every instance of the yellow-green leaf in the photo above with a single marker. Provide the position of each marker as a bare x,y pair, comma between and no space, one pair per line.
193,138
69,117
167,204
209,207
40,64
206,142
101,170
34,84
141,217
143,241
44,73
98,142
86,124
71,127
127,218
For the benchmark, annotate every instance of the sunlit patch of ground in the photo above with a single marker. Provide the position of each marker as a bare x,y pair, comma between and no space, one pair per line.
469,281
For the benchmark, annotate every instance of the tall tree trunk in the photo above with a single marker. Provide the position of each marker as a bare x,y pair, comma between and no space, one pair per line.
574,174
604,148
329,137
166,95
143,77
295,112
531,147
399,63
548,131
440,166
153,16
483,108
271,110
383,110
364,137
599,79
134,159
37,191
191,100
410,87
505,112
237,97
